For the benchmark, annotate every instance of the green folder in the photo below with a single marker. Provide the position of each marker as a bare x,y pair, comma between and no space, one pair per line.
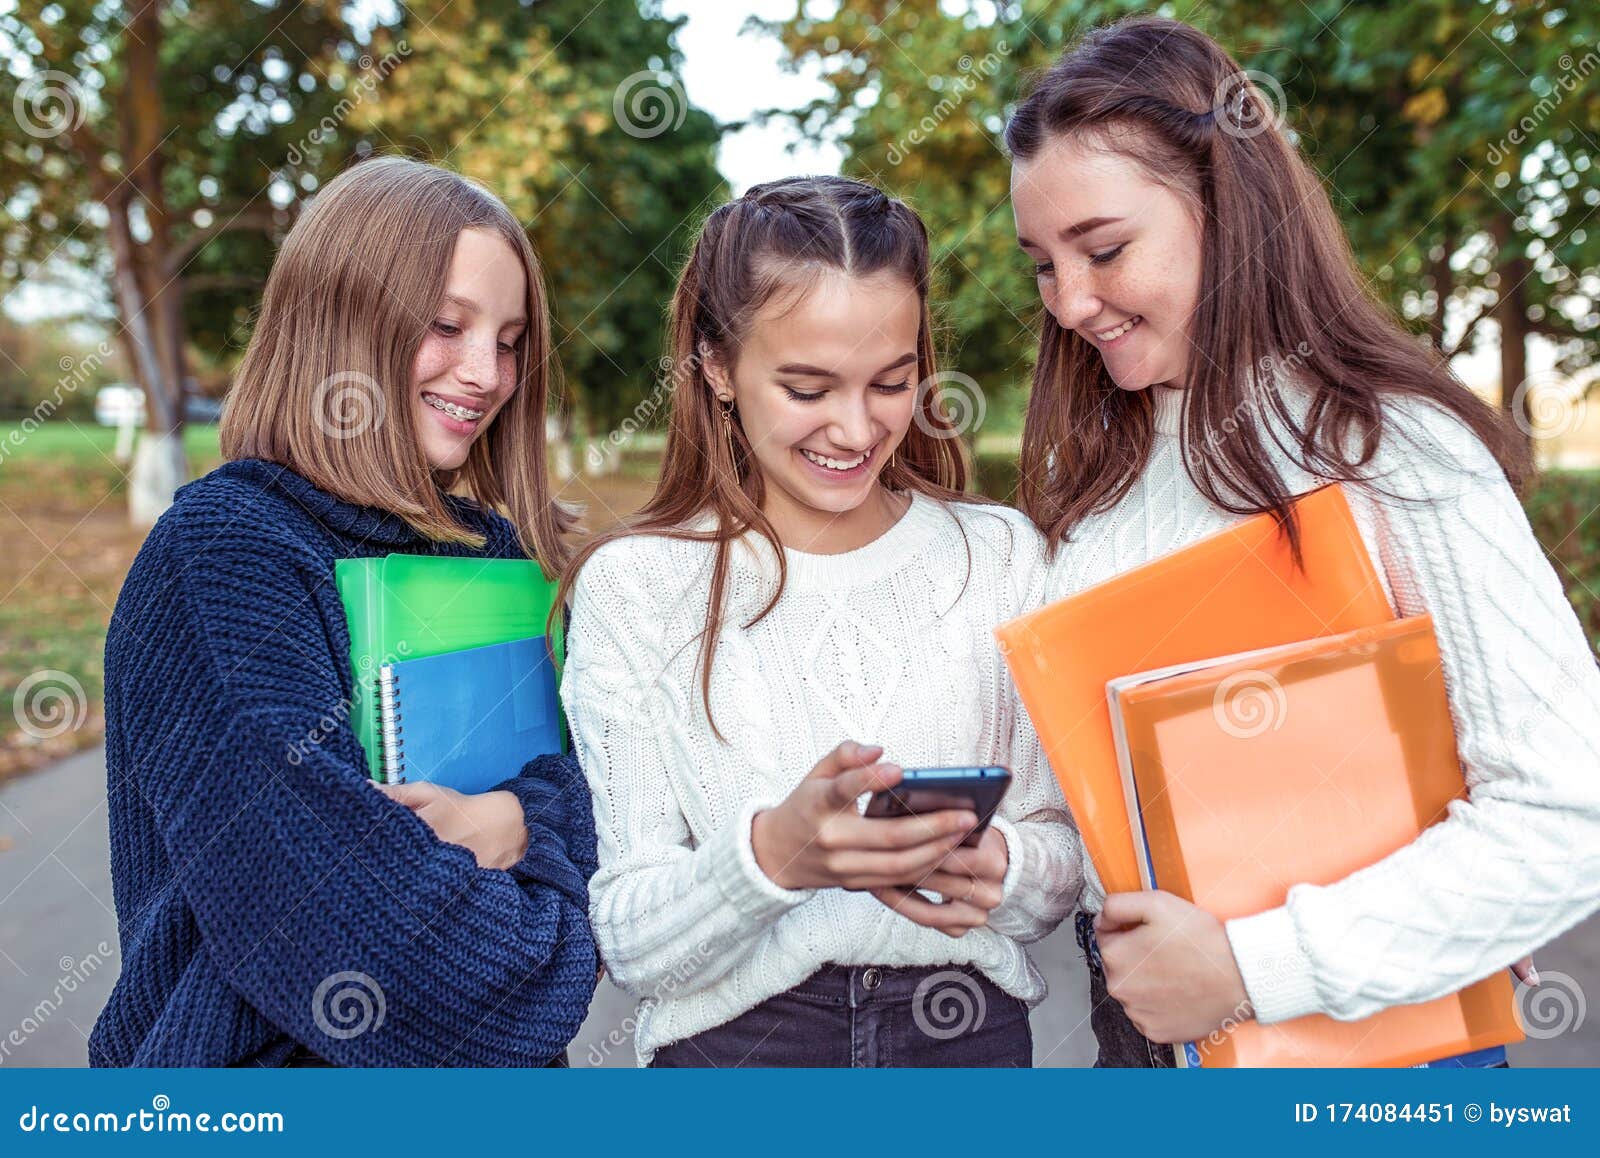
409,606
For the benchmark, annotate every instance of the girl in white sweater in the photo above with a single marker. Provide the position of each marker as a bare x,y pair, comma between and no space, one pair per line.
808,574
1209,352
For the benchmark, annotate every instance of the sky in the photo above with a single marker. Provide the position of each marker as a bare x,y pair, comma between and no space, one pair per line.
732,76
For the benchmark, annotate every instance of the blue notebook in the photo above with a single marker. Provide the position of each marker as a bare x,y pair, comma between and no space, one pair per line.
468,719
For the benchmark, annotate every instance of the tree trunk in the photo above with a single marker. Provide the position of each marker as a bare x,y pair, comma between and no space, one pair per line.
1443,287
1510,312
149,300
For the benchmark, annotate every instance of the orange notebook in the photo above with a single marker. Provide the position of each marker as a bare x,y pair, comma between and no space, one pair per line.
1304,763
1235,590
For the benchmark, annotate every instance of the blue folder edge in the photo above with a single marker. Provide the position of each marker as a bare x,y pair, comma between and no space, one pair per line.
472,718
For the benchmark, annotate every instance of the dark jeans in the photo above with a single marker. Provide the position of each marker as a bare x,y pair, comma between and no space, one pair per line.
1122,1046
870,1016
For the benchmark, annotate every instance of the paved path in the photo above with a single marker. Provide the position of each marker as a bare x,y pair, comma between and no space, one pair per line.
58,946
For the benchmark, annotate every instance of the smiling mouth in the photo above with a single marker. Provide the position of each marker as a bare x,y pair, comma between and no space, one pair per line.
459,413
1117,331
839,464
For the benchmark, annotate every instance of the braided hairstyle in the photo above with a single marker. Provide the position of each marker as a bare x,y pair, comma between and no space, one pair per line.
779,237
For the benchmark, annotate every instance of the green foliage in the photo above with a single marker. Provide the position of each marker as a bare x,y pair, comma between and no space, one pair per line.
1433,123
262,103
1562,510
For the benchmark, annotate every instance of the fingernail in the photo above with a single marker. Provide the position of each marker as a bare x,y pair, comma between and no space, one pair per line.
1533,977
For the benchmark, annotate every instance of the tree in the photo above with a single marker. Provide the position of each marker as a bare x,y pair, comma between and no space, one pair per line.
1456,137
169,143
570,110
128,152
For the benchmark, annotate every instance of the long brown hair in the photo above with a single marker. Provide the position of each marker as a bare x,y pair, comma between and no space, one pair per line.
776,237
326,383
1279,288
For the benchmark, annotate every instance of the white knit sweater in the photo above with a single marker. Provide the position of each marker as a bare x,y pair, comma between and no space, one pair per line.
889,644
1510,868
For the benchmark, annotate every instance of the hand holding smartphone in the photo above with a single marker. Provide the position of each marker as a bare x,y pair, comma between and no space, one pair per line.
924,790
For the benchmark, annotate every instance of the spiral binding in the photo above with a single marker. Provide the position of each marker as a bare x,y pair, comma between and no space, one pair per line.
389,727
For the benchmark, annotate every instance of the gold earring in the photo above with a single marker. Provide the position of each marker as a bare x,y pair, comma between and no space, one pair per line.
727,430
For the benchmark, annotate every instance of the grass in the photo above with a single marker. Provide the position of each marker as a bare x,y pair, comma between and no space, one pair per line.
68,545
64,523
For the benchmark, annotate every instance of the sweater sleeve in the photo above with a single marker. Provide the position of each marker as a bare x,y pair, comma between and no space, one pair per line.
1044,880
1518,861
666,912
333,911
560,823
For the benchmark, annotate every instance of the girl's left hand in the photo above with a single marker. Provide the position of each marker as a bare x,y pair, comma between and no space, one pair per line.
1170,966
970,880
488,825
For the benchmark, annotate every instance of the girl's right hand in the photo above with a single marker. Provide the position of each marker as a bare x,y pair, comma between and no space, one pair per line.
817,839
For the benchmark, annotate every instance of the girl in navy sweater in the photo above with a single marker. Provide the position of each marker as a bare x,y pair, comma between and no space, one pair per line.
274,908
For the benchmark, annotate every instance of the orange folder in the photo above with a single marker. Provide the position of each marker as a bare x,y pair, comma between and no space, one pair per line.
1302,763
1235,590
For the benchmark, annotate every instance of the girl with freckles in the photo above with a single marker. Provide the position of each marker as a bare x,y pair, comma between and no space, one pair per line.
1208,351
802,610
274,909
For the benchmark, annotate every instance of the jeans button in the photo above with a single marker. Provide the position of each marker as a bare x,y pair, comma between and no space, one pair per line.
872,978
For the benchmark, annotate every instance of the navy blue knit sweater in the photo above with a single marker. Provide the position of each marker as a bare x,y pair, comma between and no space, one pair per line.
267,896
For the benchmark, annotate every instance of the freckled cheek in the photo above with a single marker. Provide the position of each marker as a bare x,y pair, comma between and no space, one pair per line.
432,360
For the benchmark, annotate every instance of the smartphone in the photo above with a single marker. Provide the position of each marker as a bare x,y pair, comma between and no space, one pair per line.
934,789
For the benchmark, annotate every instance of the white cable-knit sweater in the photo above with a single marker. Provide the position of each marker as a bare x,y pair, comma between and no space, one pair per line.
889,644
1518,862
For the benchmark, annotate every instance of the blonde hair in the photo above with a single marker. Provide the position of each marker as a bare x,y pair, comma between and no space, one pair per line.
325,385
